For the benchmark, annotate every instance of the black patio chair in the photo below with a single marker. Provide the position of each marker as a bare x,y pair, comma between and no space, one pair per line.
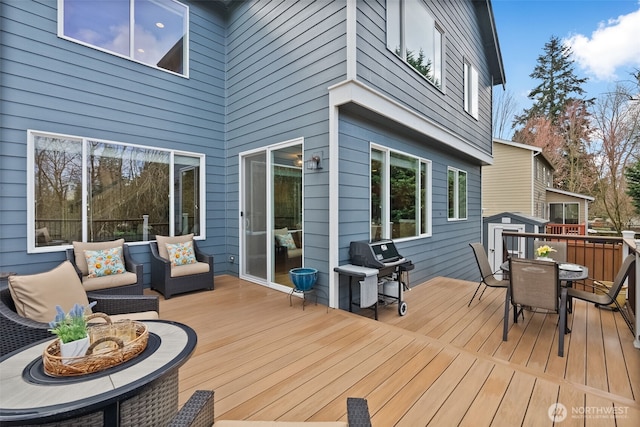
535,285
487,276
611,297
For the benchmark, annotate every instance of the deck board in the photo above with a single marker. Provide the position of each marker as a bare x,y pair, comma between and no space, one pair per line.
442,364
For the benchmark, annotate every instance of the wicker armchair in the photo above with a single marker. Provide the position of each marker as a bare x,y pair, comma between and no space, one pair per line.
133,288
168,285
18,331
198,412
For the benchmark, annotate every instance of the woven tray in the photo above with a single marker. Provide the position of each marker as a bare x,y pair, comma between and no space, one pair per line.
96,360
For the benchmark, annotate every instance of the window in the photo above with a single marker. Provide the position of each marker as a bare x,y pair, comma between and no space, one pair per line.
457,194
412,34
470,89
564,213
153,32
91,190
400,195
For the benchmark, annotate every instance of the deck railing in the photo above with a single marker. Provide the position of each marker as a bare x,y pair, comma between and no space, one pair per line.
64,231
601,255
579,229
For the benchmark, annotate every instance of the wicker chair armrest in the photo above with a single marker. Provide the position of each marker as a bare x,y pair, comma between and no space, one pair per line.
160,267
358,412
123,304
17,331
19,320
155,256
130,263
201,256
196,412
71,257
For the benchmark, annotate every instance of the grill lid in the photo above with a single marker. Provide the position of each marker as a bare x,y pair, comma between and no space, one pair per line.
374,254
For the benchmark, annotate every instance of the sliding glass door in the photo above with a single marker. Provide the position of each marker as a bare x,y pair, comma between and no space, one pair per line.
272,214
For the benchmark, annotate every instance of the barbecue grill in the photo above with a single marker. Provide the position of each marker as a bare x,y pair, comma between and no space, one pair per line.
383,256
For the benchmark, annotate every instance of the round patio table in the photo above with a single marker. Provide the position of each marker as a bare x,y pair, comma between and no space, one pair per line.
564,274
145,385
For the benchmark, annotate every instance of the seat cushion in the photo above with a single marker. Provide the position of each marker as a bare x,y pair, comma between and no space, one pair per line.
294,253
143,315
42,235
250,423
80,247
189,269
106,282
36,295
281,231
163,240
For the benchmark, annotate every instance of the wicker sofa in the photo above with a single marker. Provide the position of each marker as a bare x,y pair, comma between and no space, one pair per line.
18,331
170,280
198,412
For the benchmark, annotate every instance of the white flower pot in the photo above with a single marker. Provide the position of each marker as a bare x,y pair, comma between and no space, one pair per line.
545,258
73,349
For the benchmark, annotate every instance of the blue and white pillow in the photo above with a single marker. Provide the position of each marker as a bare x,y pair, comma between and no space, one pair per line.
104,262
181,253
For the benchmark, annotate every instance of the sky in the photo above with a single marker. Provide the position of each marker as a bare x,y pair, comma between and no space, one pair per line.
604,36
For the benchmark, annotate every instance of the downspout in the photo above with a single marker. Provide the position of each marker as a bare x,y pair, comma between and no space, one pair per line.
533,185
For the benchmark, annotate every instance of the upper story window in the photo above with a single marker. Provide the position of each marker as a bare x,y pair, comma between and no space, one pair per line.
471,90
400,195
457,194
413,35
90,190
153,32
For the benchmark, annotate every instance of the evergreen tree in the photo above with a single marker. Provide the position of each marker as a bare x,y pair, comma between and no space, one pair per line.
558,82
632,174
555,100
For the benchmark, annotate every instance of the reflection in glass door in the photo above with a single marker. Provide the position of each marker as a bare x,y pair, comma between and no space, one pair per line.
254,215
271,213
286,203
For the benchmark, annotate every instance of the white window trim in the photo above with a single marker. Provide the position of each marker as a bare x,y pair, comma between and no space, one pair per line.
456,195
31,238
471,89
386,213
439,76
186,43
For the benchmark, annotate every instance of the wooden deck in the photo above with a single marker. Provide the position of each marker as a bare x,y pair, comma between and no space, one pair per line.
442,364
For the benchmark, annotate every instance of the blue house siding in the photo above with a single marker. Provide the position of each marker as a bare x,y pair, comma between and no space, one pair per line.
54,85
261,73
282,57
382,70
446,252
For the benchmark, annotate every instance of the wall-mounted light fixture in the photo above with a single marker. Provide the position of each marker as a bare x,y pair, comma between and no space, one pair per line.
314,163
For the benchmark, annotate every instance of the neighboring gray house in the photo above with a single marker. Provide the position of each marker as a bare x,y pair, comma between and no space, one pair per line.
337,120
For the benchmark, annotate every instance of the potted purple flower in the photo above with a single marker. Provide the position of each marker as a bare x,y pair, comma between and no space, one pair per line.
71,330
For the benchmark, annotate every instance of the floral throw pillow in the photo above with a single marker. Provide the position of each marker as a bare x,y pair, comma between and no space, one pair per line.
181,253
105,262
286,241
